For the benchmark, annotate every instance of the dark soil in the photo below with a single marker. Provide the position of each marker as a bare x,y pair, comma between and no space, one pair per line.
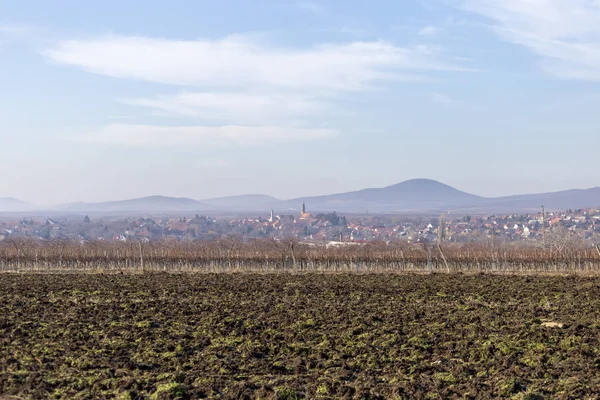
298,336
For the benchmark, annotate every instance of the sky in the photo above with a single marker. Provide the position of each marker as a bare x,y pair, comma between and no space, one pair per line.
190,98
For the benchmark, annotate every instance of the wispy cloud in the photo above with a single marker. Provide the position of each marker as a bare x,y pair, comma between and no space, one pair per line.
349,30
443,99
10,33
429,30
150,136
236,106
454,104
565,34
257,92
236,60
311,6
214,163
120,116
16,30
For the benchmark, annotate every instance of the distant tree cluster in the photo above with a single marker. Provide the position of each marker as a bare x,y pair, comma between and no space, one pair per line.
333,218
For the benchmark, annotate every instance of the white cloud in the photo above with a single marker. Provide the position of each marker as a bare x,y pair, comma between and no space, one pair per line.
566,34
150,136
236,106
237,61
256,92
429,30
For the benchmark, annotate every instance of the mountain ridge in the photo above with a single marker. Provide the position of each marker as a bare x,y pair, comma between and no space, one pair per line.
154,203
411,196
11,204
243,202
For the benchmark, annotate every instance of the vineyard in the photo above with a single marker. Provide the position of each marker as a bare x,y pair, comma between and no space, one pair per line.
235,254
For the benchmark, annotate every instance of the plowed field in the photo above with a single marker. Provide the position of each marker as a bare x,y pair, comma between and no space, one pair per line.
299,336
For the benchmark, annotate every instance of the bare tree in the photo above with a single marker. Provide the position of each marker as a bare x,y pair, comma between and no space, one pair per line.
560,239
441,237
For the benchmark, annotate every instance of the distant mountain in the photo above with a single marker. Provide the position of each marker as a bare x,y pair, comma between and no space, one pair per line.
554,201
412,196
416,195
247,202
158,204
10,204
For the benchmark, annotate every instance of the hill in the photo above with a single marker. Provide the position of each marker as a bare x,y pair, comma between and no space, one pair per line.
416,195
412,196
157,204
247,202
563,200
10,204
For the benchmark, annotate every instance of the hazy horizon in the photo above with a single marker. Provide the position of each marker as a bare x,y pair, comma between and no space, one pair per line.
296,98
307,193
275,197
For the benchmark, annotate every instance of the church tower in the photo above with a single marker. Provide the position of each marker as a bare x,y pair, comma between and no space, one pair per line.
303,208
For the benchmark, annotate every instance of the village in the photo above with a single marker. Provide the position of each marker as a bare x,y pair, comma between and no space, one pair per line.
583,225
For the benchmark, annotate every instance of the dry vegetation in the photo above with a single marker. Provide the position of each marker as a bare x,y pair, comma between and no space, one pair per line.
235,254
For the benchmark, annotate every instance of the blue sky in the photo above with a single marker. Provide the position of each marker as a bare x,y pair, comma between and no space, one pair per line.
111,100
